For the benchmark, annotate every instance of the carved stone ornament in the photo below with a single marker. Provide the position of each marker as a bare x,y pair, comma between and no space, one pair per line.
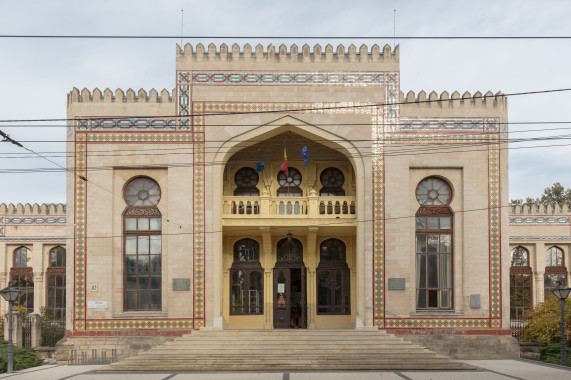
433,210
140,211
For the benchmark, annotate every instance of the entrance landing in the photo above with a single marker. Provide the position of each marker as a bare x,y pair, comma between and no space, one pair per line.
286,350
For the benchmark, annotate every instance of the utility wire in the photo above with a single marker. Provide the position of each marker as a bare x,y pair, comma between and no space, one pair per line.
294,111
195,37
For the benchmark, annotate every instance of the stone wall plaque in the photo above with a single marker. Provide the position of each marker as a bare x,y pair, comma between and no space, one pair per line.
475,301
396,283
181,284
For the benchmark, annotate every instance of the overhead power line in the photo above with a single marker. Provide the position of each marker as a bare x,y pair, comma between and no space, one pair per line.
196,37
294,111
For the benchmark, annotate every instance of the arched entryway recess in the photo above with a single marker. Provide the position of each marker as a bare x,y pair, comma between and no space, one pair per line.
320,200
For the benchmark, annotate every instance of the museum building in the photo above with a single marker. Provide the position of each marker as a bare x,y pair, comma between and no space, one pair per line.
278,188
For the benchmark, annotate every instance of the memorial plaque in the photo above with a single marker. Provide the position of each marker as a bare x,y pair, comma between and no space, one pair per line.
396,284
181,284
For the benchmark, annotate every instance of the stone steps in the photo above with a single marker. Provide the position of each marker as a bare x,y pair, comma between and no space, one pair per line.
285,350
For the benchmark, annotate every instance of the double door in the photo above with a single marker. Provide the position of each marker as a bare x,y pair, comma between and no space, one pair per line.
290,305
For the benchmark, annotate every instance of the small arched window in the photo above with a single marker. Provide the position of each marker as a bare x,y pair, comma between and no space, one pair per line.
289,184
290,250
332,180
246,180
333,279
22,277
434,245
520,283
555,271
246,279
21,257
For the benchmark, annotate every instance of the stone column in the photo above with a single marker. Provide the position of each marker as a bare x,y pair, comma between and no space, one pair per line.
16,328
268,265
36,330
311,260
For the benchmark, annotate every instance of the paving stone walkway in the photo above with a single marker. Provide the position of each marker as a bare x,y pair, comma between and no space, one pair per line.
486,370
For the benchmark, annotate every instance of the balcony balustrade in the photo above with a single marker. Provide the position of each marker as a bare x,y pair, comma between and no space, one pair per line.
279,207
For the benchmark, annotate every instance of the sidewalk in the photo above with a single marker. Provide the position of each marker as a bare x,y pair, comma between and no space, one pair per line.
487,370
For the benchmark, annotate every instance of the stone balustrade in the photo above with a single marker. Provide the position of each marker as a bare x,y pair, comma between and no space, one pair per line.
279,207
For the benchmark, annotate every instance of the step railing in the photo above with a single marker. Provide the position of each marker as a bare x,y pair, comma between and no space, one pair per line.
278,207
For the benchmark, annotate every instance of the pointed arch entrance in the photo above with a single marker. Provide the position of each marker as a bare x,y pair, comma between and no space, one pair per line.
290,284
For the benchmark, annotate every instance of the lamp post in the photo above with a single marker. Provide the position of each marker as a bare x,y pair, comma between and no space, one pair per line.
562,292
10,294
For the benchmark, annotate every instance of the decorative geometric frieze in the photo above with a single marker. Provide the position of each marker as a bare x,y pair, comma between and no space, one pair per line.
534,220
540,238
138,324
210,78
35,220
436,323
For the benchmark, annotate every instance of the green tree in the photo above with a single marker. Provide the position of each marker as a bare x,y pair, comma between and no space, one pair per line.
556,194
544,323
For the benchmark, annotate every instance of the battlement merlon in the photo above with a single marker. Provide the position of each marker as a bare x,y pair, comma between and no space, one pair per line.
455,105
320,59
53,209
120,104
541,209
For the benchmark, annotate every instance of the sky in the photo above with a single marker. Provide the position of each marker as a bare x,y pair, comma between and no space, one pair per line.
36,74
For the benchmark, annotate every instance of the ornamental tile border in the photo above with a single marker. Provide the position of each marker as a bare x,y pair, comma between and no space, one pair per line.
492,139
29,238
114,136
295,78
448,125
139,324
35,220
435,323
541,238
2,226
131,124
541,220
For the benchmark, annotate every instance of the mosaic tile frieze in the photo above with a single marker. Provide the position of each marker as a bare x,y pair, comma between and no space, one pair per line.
60,239
495,227
210,78
129,124
540,238
535,220
138,324
442,125
80,241
148,136
436,323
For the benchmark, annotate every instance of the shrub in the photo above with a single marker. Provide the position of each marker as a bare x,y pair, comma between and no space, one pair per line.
543,324
23,358
551,353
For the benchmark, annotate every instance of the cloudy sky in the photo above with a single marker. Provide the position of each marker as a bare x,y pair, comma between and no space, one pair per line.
36,74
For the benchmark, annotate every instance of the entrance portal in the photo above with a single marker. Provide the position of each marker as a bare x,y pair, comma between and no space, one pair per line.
290,305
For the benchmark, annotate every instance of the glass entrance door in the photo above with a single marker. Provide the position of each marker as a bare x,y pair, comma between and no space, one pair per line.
290,297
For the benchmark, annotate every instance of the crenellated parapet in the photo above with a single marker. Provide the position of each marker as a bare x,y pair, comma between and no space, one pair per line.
446,101
539,208
281,54
119,96
53,209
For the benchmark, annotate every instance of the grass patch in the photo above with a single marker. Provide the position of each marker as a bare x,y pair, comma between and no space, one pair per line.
23,358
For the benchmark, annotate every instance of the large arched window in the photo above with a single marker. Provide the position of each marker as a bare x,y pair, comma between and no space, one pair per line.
22,277
332,180
246,180
434,245
289,184
142,228
555,271
246,279
333,279
55,300
520,283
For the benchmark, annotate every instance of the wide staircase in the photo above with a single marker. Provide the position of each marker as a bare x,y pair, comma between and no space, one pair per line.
286,350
